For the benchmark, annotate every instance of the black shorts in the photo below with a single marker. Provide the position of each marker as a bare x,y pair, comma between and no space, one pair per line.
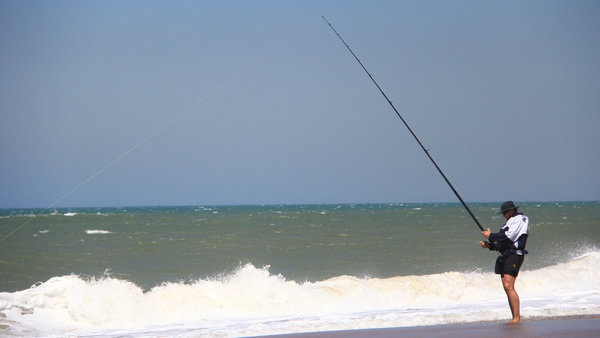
509,264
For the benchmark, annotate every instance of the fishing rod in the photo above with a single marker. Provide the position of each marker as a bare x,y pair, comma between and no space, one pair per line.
409,129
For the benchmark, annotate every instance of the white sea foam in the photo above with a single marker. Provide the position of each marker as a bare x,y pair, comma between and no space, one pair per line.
93,232
251,301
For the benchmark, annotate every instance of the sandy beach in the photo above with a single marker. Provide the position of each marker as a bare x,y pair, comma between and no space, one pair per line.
581,326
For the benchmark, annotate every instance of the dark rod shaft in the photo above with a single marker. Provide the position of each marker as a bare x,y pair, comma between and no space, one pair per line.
406,124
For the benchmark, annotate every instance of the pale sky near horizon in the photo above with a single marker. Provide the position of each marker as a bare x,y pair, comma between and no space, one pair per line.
506,95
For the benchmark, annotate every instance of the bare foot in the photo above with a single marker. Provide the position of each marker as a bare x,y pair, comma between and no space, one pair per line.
515,321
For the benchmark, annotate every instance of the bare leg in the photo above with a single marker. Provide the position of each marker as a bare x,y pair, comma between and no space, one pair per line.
508,282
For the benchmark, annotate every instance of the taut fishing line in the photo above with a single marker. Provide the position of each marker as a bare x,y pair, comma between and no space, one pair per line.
409,129
158,130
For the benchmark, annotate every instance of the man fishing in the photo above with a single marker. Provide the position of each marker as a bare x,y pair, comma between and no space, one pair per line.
510,243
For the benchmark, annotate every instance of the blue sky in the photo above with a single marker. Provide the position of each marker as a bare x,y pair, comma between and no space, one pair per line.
504,94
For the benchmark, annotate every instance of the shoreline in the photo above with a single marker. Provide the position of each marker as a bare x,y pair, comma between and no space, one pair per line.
583,326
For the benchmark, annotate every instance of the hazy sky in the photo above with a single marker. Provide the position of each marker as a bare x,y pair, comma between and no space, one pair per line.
505,94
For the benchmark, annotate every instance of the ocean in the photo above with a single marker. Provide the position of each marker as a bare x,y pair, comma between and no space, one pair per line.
237,271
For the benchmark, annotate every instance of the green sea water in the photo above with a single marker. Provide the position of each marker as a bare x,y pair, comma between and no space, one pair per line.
152,245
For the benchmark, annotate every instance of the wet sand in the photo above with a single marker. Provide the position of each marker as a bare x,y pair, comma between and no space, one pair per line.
582,326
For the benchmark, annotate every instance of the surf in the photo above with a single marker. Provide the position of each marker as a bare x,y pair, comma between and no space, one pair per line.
251,300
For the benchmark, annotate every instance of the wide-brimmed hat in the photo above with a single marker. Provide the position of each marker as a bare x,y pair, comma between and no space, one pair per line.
507,206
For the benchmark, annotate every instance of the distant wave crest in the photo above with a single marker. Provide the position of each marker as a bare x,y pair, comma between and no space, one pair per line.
93,232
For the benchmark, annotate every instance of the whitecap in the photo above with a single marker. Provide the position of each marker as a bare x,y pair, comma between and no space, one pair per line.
93,232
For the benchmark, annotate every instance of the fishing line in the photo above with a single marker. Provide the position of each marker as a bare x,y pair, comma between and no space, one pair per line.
409,129
160,129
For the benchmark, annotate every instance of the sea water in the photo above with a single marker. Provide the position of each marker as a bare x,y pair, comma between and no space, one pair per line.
232,271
